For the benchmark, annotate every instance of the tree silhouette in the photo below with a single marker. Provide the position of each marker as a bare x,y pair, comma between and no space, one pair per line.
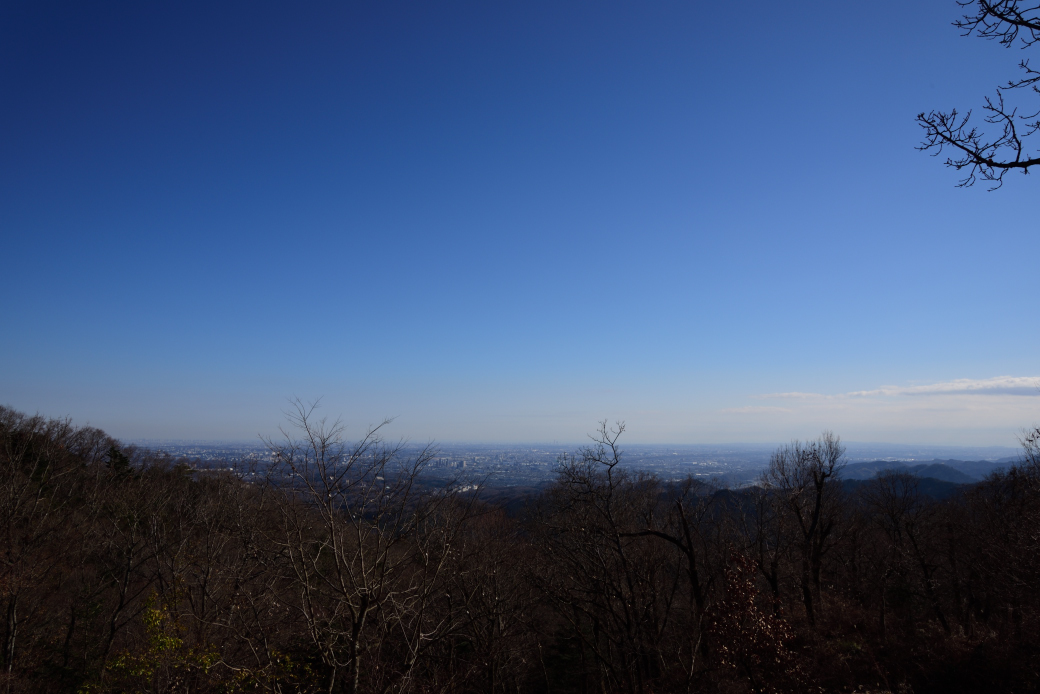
989,153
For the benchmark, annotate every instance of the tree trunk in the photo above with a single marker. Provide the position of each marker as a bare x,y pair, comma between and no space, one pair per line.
807,593
12,634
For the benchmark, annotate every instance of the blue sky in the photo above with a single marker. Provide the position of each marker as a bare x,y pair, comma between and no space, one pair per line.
508,221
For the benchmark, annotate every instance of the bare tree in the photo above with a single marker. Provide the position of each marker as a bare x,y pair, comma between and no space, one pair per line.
629,600
495,647
763,524
904,516
803,477
989,155
690,524
364,550
44,485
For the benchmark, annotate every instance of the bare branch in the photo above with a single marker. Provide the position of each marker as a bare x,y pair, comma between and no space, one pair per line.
1005,21
989,156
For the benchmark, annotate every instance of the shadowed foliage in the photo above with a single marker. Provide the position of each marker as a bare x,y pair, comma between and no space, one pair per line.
340,568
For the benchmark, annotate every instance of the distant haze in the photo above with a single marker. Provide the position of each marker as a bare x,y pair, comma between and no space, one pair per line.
936,417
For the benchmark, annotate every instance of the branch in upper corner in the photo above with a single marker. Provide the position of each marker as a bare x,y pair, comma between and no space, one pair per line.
1005,21
984,158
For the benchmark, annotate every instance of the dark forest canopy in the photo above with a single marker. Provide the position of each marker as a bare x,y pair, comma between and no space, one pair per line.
335,571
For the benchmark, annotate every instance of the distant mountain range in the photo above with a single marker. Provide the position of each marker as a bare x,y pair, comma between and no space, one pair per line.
939,479
956,471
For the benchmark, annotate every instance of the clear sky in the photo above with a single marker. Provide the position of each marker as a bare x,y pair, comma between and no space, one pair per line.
506,221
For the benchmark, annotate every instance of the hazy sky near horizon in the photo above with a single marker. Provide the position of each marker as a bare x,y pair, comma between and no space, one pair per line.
508,221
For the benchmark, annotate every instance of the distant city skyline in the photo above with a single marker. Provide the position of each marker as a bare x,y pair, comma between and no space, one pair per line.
855,450
525,466
508,222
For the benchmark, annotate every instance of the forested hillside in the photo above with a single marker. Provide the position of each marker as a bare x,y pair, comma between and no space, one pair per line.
338,570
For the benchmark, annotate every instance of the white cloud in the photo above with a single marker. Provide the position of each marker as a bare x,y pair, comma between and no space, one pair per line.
1001,385
962,411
